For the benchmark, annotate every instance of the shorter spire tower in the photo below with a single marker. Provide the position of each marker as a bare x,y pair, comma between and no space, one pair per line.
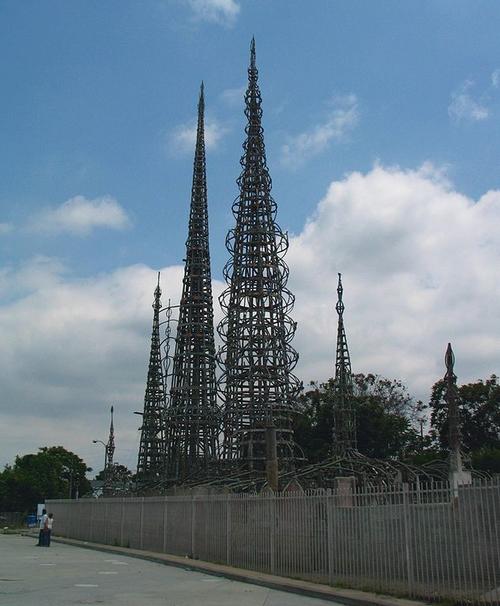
456,469
151,460
344,425
110,446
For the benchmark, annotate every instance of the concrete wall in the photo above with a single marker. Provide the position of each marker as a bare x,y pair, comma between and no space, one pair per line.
423,543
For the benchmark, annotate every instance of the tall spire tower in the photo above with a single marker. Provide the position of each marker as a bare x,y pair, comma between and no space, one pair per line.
192,412
344,426
257,358
151,461
110,446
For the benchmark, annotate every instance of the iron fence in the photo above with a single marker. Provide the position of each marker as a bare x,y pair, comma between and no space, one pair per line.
433,543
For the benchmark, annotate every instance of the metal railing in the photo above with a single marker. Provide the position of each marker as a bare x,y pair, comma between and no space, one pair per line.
433,542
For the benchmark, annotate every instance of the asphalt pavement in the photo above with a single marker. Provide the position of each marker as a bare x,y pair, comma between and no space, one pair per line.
63,575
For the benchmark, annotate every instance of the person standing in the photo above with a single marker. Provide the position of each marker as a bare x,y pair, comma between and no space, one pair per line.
48,529
42,525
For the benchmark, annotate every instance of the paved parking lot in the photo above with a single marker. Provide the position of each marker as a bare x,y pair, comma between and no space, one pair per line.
63,575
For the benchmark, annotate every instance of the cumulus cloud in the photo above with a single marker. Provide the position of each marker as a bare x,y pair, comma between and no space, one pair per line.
464,106
495,78
183,138
342,118
222,12
420,268
233,97
80,216
70,348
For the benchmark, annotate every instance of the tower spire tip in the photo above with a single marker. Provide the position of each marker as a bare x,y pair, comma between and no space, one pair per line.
252,52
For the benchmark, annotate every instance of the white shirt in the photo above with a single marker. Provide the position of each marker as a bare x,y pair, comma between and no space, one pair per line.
42,521
50,521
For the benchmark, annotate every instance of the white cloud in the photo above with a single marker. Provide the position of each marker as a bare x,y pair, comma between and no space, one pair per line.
420,268
222,12
464,106
70,348
183,138
342,118
5,228
233,97
495,78
80,216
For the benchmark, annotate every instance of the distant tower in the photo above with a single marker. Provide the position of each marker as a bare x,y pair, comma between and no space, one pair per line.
457,473
257,358
192,418
344,425
151,461
110,446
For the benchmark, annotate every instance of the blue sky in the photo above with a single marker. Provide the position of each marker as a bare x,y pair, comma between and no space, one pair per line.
93,92
96,120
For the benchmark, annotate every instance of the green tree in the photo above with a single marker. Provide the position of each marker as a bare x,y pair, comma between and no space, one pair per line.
479,409
51,473
384,418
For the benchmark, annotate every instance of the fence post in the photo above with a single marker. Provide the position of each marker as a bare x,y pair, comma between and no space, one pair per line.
165,514
91,521
122,522
141,530
407,522
329,535
193,523
228,530
272,532
105,523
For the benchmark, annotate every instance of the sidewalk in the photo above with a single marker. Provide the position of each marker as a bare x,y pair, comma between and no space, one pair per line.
350,597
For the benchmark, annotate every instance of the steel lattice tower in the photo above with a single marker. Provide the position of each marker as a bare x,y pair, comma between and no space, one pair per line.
151,461
344,425
193,419
110,446
258,386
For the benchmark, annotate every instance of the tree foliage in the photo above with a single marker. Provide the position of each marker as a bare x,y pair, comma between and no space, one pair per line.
51,473
384,413
479,410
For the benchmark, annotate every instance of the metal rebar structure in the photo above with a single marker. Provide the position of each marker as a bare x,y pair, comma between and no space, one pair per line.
192,414
454,434
110,446
344,428
458,475
257,359
151,460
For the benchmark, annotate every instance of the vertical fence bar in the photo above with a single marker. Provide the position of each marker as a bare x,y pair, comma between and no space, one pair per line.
105,523
91,520
228,530
141,527
494,554
272,533
122,522
193,524
165,524
407,538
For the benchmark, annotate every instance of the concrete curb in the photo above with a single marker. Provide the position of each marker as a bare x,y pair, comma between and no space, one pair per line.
350,597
